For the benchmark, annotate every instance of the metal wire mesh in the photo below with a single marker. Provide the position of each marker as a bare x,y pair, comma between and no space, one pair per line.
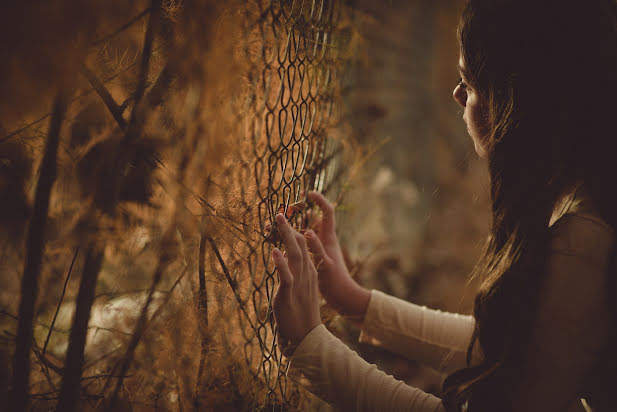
291,49
293,105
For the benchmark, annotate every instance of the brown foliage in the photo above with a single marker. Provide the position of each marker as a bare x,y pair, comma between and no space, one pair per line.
158,185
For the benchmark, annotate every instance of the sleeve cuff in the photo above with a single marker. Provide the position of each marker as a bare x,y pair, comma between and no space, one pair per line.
306,355
372,319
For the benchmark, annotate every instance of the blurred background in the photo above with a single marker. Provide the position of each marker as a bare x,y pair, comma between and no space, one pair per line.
164,177
419,211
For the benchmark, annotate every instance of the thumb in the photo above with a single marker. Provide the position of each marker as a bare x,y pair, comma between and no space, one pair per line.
316,248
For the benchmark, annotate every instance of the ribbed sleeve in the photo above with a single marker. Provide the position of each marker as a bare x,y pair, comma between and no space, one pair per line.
329,369
438,339
570,338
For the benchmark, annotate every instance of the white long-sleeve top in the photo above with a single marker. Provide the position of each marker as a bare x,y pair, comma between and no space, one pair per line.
573,337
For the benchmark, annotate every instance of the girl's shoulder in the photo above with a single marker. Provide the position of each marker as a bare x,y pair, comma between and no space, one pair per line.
577,228
577,202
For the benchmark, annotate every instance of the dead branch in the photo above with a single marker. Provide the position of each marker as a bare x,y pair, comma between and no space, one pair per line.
232,283
104,94
49,365
159,310
121,29
10,315
66,281
100,358
114,295
135,123
154,97
203,296
155,315
158,91
69,394
71,388
73,100
44,369
203,315
142,322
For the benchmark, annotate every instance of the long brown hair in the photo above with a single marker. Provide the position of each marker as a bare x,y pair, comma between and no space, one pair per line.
547,74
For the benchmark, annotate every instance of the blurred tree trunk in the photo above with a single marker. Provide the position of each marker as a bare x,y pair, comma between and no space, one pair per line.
34,253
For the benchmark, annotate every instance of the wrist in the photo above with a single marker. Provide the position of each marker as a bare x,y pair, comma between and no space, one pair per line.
288,346
357,304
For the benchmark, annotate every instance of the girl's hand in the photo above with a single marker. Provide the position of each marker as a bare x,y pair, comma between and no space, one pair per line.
335,283
296,302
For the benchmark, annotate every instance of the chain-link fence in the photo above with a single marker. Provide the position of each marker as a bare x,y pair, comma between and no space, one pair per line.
180,131
297,70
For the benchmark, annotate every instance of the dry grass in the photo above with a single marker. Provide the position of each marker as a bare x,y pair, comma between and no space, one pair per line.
153,176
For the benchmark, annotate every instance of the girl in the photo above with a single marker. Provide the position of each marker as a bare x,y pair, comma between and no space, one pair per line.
539,91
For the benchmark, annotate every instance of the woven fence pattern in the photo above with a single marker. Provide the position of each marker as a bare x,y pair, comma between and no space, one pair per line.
295,101
178,131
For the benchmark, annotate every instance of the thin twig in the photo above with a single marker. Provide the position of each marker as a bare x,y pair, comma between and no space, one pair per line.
114,295
156,94
203,295
73,100
232,283
121,29
142,322
131,133
110,330
82,396
159,310
100,358
71,382
198,197
91,327
136,119
44,369
4,312
138,332
104,94
203,315
154,316
66,281
103,375
33,256
10,315
47,364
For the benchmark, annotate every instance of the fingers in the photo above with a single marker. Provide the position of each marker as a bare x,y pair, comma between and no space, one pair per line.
289,238
312,221
286,278
301,243
327,223
300,239
316,247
